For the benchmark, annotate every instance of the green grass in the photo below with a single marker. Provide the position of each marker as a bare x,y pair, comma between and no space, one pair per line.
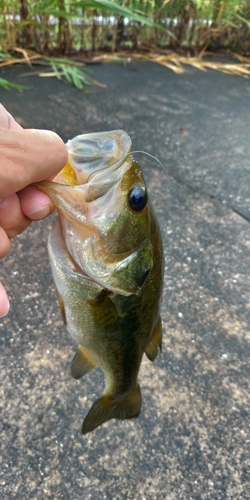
177,23
66,27
7,85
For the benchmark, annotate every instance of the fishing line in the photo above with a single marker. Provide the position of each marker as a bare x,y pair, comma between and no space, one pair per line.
123,158
151,156
196,188
167,172
177,177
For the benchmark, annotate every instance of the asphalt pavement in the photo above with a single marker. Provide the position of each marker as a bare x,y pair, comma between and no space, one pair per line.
192,439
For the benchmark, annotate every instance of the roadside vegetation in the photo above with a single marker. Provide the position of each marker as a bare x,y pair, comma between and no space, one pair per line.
55,31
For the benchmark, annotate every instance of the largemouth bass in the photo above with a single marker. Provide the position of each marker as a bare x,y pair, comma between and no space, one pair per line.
106,256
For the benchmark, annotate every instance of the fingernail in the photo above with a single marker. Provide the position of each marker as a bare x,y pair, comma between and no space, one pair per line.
48,133
40,212
51,134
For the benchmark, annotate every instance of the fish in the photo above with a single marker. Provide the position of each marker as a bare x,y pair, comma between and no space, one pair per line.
106,256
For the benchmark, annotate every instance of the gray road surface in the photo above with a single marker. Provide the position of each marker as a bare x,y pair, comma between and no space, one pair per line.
192,439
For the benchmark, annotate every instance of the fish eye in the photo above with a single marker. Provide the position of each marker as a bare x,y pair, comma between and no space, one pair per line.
138,197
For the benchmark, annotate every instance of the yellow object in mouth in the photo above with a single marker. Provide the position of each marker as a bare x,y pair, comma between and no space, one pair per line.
68,173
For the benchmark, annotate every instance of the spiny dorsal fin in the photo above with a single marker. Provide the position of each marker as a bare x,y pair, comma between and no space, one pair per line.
108,407
82,363
151,350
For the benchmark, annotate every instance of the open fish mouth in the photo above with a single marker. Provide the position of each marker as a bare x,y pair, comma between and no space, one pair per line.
95,182
94,159
96,165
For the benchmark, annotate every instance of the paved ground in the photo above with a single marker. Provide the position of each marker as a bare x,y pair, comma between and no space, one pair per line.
192,439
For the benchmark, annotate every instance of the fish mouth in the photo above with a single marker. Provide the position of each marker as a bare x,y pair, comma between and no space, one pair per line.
94,158
96,164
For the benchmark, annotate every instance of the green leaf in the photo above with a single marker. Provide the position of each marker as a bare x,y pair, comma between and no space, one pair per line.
7,85
108,5
31,22
55,69
41,7
243,19
68,62
5,55
116,8
72,73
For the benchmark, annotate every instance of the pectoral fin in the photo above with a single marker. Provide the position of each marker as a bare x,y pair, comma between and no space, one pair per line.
104,312
82,363
107,408
151,350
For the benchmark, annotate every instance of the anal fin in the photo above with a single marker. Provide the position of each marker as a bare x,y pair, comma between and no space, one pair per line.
82,363
107,407
62,307
151,350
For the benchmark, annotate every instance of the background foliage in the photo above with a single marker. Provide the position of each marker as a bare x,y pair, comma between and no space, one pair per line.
65,26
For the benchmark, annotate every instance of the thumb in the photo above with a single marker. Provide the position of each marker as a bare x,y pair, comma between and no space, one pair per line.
29,156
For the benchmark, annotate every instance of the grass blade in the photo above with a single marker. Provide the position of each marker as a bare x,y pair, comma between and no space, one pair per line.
7,85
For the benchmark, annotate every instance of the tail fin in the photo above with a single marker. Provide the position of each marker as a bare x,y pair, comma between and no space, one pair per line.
107,407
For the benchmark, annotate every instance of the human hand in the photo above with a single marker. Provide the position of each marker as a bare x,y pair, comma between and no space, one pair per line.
26,156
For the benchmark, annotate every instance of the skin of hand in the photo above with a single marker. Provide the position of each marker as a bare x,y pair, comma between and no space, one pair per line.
27,156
